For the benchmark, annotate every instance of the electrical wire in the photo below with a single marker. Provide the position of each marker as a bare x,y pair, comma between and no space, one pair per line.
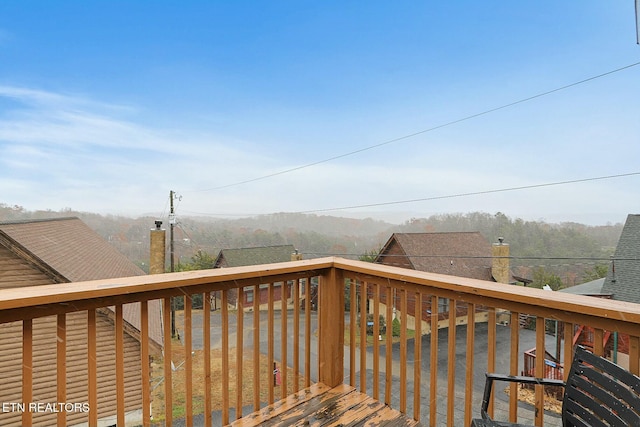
513,258
411,135
426,199
475,193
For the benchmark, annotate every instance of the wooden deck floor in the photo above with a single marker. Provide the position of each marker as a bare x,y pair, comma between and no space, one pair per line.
320,405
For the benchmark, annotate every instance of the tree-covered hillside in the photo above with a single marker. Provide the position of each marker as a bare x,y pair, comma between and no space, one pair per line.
570,251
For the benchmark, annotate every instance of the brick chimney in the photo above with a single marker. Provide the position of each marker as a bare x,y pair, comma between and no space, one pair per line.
157,259
500,261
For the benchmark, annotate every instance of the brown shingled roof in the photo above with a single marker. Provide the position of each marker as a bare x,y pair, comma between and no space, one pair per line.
71,248
67,250
463,254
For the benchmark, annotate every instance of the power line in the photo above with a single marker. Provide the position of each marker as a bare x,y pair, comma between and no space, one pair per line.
411,135
513,258
425,199
475,193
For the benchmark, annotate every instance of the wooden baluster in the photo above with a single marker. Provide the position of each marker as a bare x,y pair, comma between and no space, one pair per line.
27,369
433,383
363,337
206,344
539,371
389,344
271,343
256,347
225,356
284,288
403,351
417,355
296,335
92,363
168,389
634,355
376,341
491,345
307,333
471,327
120,404
352,332
239,351
61,365
188,362
514,327
451,365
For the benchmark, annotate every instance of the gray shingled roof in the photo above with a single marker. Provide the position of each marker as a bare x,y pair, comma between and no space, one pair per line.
623,278
592,288
254,256
463,254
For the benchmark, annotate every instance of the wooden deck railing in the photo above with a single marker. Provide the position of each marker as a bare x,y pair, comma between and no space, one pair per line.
451,331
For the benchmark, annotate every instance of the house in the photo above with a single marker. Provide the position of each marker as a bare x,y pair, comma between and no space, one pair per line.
65,250
622,283
624,273
330,367
463,254
256,256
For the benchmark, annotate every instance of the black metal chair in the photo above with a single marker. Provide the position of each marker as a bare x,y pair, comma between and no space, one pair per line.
598,393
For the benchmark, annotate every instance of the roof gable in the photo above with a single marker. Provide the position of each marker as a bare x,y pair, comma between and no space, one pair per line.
254,256
623,278
15,271
463,254
66,250
69,248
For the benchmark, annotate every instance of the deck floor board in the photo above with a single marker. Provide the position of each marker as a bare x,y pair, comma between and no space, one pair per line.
320,405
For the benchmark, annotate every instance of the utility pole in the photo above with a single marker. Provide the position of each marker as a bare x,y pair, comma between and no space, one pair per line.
172,223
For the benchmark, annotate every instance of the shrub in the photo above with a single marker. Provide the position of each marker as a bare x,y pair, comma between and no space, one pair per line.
395,327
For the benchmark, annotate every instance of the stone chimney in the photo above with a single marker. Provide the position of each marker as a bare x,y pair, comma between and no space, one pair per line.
157,259
296,256
500,261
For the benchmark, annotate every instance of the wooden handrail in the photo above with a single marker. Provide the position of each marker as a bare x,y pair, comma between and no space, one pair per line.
555,305
372,286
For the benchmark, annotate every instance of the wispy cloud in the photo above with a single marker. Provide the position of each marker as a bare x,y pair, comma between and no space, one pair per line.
62,150
73,146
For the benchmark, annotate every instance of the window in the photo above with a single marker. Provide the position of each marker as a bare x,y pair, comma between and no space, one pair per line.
443,305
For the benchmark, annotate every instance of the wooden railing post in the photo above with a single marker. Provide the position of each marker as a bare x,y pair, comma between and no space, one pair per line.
331,327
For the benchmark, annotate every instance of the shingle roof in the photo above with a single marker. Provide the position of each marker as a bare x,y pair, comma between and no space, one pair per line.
69,251
592,288
464,254
254,256
71,248
623,278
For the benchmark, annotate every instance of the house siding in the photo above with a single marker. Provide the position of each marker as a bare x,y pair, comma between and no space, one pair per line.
395,256
463,254
44,368
17,272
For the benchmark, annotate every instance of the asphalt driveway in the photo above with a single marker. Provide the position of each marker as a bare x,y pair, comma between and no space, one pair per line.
526,341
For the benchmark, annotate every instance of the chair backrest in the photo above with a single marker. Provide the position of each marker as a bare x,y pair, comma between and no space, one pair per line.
600,393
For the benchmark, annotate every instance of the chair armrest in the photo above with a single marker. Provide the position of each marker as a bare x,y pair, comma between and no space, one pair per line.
524,380
491,377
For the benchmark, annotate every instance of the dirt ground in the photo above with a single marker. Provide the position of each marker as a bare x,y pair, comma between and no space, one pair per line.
178,382
529,396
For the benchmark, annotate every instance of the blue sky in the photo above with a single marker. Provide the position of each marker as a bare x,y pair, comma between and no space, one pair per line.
107,106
